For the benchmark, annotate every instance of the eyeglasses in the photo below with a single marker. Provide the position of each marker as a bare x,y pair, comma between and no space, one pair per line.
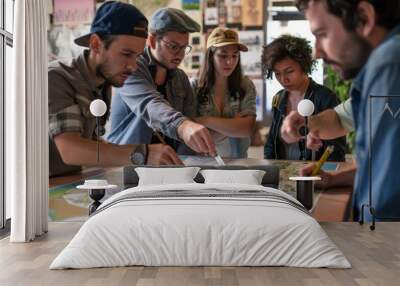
176,49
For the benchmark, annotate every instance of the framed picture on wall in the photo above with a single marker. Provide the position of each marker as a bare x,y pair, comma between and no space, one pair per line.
234,15
196,58
252,13
73,12
191,4
251,60
211,17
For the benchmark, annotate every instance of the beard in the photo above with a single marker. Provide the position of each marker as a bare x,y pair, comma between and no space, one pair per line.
162,61
355,54
102,70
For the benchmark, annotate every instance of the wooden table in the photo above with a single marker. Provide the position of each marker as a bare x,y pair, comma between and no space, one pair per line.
331,205
374,255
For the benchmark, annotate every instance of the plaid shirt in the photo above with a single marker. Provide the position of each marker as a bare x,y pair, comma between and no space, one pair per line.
71,91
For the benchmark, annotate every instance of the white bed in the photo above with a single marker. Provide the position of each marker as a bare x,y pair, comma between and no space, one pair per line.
201,224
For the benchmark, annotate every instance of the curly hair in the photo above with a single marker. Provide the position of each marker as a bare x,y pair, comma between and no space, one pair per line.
287,46
388,11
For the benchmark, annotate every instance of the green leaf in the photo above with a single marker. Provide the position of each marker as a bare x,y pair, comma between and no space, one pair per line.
342,88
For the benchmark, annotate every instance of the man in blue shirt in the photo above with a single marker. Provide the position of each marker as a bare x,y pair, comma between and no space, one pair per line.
361,40
157,99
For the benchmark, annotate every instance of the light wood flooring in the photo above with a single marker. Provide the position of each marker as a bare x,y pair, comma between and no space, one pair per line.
374,255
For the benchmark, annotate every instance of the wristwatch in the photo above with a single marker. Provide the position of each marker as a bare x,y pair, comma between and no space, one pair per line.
139,155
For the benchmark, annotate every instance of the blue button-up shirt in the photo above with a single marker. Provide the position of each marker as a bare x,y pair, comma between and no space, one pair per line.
138,107
373,97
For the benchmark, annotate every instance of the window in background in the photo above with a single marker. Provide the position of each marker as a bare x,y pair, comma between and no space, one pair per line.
296,28
6,43
7,94
284,18
9,13
2,45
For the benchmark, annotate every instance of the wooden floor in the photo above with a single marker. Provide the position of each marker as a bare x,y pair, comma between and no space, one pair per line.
375,257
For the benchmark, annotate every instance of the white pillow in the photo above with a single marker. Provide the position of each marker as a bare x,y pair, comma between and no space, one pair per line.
166,176
248,177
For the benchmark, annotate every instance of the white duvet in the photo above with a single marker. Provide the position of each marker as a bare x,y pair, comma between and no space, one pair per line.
201,224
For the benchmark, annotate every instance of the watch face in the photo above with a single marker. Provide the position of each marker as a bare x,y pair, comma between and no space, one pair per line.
138,158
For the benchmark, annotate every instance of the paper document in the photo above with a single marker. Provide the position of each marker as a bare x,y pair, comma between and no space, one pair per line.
199,161
219,160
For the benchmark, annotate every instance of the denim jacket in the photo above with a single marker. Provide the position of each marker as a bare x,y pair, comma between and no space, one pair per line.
323,98
139,107
375,101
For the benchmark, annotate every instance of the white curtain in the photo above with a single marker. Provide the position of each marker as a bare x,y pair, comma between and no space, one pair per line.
27,123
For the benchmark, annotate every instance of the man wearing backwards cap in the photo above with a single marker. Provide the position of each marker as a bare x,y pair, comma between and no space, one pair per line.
157,97
117,37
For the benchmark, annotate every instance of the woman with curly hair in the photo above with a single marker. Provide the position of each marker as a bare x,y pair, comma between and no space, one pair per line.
290,59
226,100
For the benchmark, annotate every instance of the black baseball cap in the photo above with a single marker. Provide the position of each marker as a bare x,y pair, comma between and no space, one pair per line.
116,18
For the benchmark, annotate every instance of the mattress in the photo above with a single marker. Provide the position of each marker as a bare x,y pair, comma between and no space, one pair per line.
201,225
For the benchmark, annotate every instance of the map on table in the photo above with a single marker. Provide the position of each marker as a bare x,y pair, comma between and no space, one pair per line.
198,161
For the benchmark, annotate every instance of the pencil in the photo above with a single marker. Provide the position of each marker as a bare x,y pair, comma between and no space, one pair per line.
322,160
159,137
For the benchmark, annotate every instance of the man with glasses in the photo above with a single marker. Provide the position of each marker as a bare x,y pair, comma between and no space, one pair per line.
157,100
117,36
